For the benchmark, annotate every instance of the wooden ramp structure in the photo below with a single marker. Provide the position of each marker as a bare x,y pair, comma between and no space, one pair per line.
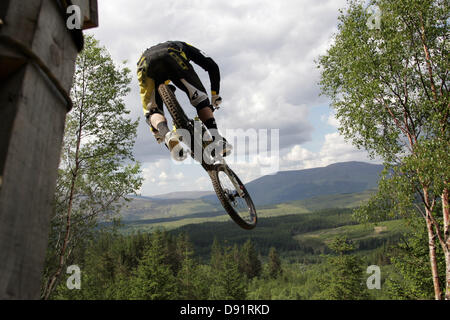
37,60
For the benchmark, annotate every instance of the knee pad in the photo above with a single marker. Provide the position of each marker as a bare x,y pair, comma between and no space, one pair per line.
197,97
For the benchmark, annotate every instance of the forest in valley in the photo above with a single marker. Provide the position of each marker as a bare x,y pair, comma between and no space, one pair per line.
218,261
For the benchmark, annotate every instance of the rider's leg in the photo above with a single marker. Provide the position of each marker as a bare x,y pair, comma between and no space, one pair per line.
152,103
187,80
198,98
150,79
159,122
207,117
156,118
159,126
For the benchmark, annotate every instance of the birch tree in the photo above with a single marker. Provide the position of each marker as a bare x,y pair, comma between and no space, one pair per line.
97,169
388,84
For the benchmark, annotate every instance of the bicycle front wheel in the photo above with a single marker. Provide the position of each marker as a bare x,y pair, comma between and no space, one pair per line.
234,196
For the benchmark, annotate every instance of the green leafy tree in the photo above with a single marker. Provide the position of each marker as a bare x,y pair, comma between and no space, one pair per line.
274,264
187,279
228,283
120,289
153,279
99,268
216,254
250,264
411,279
344,280
192,278
389,89
97,169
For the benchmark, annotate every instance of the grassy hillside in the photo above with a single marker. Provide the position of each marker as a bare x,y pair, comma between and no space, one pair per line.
367,236
341,200
299,237
300,228
146,215
341,185
142,208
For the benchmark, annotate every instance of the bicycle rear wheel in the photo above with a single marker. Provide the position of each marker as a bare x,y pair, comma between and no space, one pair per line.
234,196
179,117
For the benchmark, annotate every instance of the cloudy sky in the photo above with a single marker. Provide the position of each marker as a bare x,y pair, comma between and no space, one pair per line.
266,52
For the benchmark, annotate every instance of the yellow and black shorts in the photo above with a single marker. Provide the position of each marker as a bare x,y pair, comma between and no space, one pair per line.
163,64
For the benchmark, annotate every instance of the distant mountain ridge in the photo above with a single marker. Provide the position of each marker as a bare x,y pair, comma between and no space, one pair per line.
183,195
337,178
316,184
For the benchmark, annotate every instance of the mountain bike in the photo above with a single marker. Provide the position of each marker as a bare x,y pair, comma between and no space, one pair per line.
229,189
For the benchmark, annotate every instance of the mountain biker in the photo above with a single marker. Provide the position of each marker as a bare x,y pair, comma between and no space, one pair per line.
169,61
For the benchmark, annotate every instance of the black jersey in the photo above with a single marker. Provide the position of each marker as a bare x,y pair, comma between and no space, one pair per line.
190,53
169,61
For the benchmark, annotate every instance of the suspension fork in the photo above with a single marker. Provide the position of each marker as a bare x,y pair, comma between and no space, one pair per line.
236,185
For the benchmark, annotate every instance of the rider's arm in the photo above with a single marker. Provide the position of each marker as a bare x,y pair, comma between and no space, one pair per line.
207,63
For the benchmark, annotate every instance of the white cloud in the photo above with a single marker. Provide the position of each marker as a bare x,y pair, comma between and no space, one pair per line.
202,183
179,176
335,149
265,49
332,120
297,153
163,176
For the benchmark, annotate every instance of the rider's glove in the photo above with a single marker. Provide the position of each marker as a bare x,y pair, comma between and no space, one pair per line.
216,100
